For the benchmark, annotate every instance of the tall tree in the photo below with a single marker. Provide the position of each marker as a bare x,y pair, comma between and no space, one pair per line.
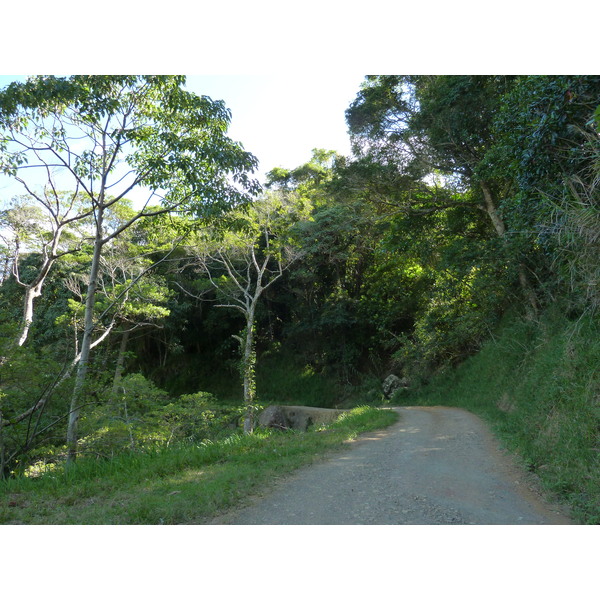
241,263
443,124
545,143
106,136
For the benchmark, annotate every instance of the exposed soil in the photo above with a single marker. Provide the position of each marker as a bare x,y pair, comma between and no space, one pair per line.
436,466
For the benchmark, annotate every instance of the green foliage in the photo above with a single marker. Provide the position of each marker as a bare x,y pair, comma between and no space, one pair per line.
108,135
456,114
528,141
307,177
458,317
27,376
177,139
283,379
464,194
140,416
543,143
539,142
575,223
140,394
194,417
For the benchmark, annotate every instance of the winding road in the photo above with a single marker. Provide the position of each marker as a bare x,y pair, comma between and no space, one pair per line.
435,466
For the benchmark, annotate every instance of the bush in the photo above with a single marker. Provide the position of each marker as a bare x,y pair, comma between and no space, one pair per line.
143,417
194,417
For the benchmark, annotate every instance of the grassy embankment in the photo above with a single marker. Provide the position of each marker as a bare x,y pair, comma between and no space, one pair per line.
184,485
538,384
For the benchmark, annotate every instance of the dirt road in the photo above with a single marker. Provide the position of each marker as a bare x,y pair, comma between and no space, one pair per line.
437,465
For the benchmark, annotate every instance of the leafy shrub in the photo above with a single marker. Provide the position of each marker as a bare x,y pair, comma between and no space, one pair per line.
194,417
143,417
139,393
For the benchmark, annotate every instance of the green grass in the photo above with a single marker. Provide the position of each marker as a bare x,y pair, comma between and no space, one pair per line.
184,485
538,384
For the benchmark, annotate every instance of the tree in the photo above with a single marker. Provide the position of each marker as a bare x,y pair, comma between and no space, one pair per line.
245,260
106,136
306,177
130,294
38,223
510,141
428,124
544,143
339,305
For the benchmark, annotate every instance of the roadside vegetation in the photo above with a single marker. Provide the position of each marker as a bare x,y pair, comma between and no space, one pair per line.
185,484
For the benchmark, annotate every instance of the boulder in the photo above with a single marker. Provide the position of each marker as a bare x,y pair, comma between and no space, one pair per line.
390,385
297,417
273,417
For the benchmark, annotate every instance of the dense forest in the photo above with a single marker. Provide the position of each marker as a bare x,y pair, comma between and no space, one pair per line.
153,292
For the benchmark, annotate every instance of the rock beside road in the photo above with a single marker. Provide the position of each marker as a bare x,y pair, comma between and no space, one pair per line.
392,383
297,417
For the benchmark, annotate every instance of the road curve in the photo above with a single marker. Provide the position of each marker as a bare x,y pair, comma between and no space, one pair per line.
436,466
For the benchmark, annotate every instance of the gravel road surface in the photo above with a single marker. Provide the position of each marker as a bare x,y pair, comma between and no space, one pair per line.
436,466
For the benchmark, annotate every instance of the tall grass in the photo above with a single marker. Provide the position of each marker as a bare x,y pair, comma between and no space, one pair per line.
539,386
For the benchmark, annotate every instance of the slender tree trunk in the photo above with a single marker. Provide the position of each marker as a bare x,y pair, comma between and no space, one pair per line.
120,361
117,381
5,271
86,341
490,207
2,458
34,289
31,293
532,306
248,364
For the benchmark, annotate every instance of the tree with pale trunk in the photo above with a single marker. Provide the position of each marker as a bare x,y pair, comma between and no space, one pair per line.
108,137
242,261
49,224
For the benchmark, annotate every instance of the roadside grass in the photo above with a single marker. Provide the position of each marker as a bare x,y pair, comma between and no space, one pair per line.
538,385
182,485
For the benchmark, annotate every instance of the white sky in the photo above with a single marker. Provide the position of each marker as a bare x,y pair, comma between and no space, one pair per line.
280,119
